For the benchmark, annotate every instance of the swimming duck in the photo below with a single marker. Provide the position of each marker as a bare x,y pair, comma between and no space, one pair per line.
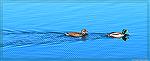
77,34
119,34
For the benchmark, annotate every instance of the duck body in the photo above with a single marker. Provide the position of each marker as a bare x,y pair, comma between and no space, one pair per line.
115,35
74,34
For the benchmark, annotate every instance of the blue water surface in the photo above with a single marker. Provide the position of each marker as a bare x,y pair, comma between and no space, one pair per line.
37,30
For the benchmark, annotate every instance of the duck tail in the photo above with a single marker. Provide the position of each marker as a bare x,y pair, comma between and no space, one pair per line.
66,34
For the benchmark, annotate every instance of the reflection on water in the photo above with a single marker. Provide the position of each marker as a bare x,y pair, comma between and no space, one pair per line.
28,38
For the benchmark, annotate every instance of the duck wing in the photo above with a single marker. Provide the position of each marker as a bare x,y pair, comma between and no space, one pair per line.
74,34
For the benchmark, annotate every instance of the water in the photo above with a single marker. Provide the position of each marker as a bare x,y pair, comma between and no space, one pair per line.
37,30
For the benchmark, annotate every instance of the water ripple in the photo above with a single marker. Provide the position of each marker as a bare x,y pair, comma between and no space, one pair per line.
23,38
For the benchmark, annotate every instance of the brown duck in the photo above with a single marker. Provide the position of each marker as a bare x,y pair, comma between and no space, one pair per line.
77,34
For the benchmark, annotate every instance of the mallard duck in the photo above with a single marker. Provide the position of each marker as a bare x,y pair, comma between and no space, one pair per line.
119,34
77,34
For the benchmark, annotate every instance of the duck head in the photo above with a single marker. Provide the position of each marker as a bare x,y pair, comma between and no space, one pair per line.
84,32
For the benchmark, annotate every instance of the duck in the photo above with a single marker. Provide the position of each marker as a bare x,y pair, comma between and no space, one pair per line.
77,34
122,34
